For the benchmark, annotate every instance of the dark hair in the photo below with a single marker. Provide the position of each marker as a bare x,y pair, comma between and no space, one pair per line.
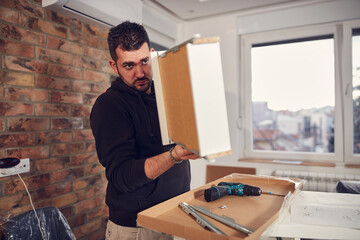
128,35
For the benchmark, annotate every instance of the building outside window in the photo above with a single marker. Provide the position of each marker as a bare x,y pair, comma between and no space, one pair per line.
288,78
298,103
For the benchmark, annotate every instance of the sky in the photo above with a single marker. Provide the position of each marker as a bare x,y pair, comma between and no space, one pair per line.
294,76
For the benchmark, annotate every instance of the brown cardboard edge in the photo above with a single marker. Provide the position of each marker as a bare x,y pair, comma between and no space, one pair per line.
175,230
184,113
146,216
214,172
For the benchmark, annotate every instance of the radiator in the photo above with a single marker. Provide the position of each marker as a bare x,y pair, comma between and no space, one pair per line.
317,181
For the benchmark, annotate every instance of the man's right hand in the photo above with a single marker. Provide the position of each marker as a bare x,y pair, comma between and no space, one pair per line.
180,153
157,165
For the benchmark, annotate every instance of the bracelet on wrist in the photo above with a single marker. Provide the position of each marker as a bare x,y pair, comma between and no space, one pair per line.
172,157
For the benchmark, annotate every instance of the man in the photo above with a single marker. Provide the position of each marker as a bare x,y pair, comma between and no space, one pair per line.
141,172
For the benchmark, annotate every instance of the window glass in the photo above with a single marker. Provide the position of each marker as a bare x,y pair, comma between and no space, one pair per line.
356,87
293,95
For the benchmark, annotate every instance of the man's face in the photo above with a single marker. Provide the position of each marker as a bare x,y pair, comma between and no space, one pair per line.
134,67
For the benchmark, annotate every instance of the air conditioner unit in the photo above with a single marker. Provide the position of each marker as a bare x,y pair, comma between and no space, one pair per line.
103,13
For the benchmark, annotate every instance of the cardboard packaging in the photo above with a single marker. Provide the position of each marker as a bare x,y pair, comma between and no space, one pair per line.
190,97
256,212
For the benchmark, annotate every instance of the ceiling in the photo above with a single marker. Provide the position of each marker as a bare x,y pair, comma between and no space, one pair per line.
191,9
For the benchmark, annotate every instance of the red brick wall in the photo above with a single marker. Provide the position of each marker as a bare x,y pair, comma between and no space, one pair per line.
52,68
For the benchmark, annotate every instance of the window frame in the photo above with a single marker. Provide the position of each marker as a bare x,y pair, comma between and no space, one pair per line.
246,41
349,155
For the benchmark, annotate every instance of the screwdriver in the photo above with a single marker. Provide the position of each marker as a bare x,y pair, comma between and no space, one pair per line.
229,188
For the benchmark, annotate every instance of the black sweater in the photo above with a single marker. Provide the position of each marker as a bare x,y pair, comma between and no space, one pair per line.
126,129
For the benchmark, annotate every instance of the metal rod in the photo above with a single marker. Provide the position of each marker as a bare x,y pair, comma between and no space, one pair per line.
223,219
275,194
199,219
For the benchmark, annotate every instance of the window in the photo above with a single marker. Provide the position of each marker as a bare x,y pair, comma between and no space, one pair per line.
296,89
356,89
287,78
352,91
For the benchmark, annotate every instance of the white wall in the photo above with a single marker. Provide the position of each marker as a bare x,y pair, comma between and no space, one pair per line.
226,27
162,27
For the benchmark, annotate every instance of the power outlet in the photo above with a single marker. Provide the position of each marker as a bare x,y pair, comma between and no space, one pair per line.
22,167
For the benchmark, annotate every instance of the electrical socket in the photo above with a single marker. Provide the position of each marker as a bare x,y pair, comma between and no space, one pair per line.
22,167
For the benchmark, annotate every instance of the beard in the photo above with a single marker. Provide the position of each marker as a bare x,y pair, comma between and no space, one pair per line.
142,84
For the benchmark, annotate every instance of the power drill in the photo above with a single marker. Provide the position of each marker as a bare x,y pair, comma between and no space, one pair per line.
230,188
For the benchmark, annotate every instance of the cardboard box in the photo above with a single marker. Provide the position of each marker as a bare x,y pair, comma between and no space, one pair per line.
190,97
256,212
214,172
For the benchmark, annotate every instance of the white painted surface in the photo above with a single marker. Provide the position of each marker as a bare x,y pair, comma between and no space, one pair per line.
159,97
110,12
198,172
162,27
159,38
316,13
190,9
225,28
209,98
159,22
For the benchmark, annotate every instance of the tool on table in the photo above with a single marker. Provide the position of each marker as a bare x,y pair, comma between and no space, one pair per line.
223,219
230,188
199,219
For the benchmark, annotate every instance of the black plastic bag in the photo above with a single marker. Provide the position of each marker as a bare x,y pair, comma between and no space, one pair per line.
25,226
348,187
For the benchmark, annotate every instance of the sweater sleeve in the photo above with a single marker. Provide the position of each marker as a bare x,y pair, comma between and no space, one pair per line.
115,145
